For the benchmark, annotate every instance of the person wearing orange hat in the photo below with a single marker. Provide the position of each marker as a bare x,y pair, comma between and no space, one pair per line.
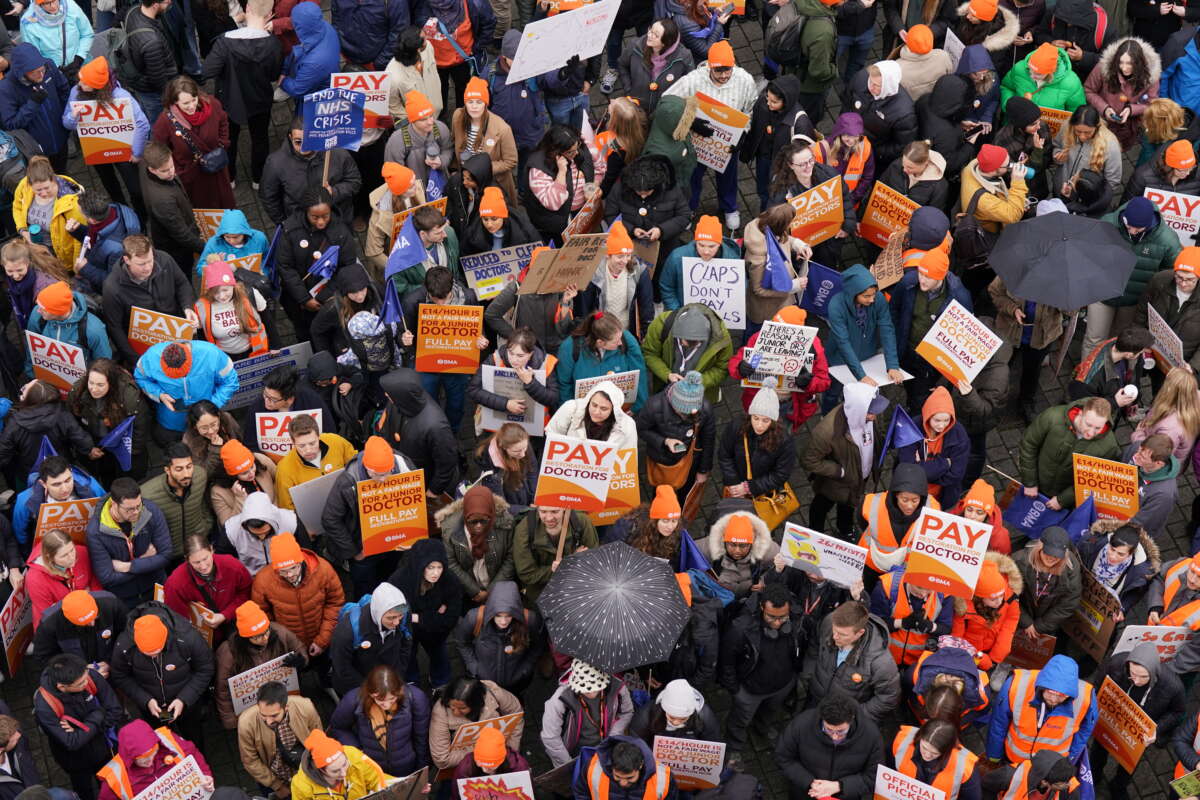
943,453
249,471
1170,293
402,189
421,141
655,529
990,619
740,547
490,756
327,763
60,314
256,640
177,373
477,130
1045,76
85,622
979,505
921,64
708,242
622,287
496,225
798,395
301,592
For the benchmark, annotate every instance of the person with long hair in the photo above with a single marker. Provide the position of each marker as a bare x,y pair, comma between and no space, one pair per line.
208,429
217,581
598,416
477,130
521,354
932,754
468,700
622,139
1085,142
653,528
28,269
255,640
435,605
1164,121
43,206
493,225
559,174
501,641
387,719
794,172
652,63
39,412
354,293
756,456
1122,85
849,152
227,316
622,286
196,128
241,473
600,345
763,302
57,567
512,463
1173,169
989,619
1175,412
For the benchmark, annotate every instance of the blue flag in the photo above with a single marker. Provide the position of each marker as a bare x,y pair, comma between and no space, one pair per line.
1031,516
323,268
435,185
900,433
776,278
392,313
1079,522
119,442
1083,771
407,250
823,285
690,556
44,450
268,262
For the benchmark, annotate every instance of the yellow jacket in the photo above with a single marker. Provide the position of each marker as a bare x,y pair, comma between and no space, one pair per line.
65,246
293,471
994,211
362,778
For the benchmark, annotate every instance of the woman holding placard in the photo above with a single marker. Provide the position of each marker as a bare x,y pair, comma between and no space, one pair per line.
933,755
522,355
57,566
469,700
257,640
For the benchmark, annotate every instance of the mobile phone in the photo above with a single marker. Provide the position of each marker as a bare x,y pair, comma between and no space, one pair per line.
678,447
725,9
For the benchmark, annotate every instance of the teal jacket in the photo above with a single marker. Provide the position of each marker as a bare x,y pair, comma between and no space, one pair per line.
670,278
625,358
96,343
855,332
233,221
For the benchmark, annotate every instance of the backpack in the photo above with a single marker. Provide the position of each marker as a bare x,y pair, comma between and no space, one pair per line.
783,36
352,613
16,148
111,45
972,243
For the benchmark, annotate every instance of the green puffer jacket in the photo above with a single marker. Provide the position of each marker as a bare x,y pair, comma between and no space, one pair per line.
1046,450
1155,249
1063,91
659,351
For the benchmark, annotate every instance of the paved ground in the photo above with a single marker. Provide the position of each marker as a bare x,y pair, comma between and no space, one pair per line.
221,747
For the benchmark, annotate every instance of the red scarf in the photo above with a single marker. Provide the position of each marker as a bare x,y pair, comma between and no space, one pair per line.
203,112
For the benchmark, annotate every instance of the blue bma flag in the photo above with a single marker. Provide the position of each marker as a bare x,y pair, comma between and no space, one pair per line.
824,284
1079,521
323,268
119,442
776,278
45,450
407,250
901,432
1031,516
392,313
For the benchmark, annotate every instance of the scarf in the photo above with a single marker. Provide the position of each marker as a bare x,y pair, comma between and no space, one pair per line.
659,62
203,112
993,185
94,230
285,741
41,16
1109,574
379,724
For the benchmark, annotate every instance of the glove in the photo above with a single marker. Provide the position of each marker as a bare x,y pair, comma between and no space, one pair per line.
923,625
38,93
803,379
701,128
798,284
294,659
744,369
568,70
910,622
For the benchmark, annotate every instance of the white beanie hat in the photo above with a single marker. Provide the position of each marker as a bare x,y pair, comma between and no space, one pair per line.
766,402
679,699
586,678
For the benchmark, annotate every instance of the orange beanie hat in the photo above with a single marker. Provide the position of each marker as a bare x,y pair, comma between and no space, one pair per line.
1188,260
323,748
919,39
285,551
476,90
1195,565
708,229
791,315
618,239
236,457
56,299
1180,155
739,530
720,54
251,619
149,634
982,496
417,106
490,749
665,505
398,177
991,583
94,74
378,455
1044,60
80,608
934,264
492,203
985,10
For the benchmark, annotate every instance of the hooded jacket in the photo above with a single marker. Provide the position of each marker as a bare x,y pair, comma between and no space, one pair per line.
309,610
435,610
976,58
1046,448
946,469
288,177
1183,318
992,640
569,419
521,105
233,222
833,460
308,67
254,553
534,551
406,734
664,208
93,643
1137,98
1179,78
1077,21
135,739
670,136
518,497
806,753
739,576
997,36
340,520
1162,698
183,670
919,73
211,376
490,654
1059,598
771,130
19,110
106,543
368,33
355,655
517,229
1063,90
1061,674
638,79
416,426
498,559
594,296
562,719
868,674
890,121
24,429
87,745
60,37
931,188
939,114
857,333
167,290
818,44
658,421
659,348
462,205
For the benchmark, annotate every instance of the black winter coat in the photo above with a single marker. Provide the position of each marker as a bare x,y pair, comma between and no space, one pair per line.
665,208
1076,21
649,721
306,399
417,427
805,753
352,660
287,178
424,603
637,78
462,207
790,121
771,468
890,123
820,174
328,333
101,712
517,230
244,64
657,422
170,223
741,650
976,411
938,116
925,193
1152,175
1150,24
55,634
487,655
167,290
150,53
294,254
183,670
940,19
1183,319
25,427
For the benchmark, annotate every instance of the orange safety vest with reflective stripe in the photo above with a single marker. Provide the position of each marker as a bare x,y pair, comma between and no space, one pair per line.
1017,789
444,52
856,165
257,336
879,526
1188,614
960,764
656,788
116,775
906,646
967,701
1055,732
1180,769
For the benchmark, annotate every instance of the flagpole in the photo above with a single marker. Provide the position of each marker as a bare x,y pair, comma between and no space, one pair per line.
1003,475
325,170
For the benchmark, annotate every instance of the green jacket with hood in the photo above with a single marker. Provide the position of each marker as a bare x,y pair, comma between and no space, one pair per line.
818,43
1155,249
658,349
1063,91
1047,447
672,113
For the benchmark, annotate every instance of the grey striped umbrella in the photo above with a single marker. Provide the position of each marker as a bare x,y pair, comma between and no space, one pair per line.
614,607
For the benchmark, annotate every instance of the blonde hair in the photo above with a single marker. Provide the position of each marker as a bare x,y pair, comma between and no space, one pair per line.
1163,120
1179,395
54,542
1101,140
37,256
628,122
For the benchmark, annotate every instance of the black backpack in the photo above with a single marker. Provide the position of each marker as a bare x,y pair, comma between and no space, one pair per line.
972,243
111,44
783,36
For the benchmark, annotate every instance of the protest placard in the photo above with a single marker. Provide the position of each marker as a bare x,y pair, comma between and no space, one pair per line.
208,220
588,217
1167,345
106,130
875,368
695,764
16,626
1113,485
244,686
818,212
391,512
624,491
309,499
1187,785
1031,652
56,362
887,272
572,264
332,118
488,273
1167,639
958,345
893,785
737,7
504,382
627,382
252,262
198,614
373,86
1054,118
781,348
272,430
1092,624
70,516
575,473
720,284
147,328
252,372
468,733
728,124
184,781
509,786
448,338
945,553
954,47
887,211
836,560
1122,727
410,787
399,217
547,44
1180,211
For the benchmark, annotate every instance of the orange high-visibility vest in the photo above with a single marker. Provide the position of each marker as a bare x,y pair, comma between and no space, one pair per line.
444,51
116,775
1017,788
906,646
656,788
879,526
856,165
974,703
1188,614
1025,737
959,765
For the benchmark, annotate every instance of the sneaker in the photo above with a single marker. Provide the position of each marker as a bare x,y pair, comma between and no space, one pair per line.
733,221
609,81
254,185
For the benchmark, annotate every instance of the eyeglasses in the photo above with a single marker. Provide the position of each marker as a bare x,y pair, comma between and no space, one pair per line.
808,162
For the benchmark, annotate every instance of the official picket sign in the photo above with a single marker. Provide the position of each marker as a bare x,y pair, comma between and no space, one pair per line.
509,786
720,284
391,512
54,361
1113,485
16,626
1180,211
244,686
945,553
70,516
184,781
106,130
728,125
1122,727
504,382
272,430
488,273
624,489
958,345
252,262
695,764
837,561
1054,118
575,473
627,382
887,211
1166,639
333,118
1031,653
252,372
448,338
468,733
374,87
819,214
893,785
147,328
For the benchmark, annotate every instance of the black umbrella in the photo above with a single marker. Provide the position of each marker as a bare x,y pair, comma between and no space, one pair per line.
614,607
1063,260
